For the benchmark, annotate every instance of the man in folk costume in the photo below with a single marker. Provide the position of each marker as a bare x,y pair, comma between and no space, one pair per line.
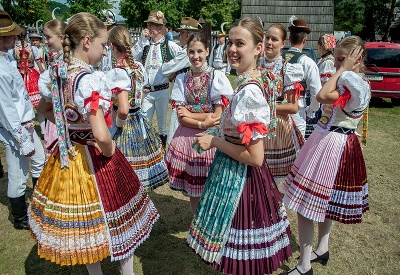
218,57
153,50
37,48
17,132
299,30
179,64
107,62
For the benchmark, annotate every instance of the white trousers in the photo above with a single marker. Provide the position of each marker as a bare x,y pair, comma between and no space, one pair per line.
18,165
157,102
300,120
173,125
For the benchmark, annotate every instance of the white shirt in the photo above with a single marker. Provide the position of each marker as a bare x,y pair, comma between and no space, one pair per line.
180,61
217,61
15,106
154,58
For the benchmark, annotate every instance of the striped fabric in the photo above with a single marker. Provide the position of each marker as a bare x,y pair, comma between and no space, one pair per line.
140,144
328,179
281,151
248,230
188,169
94,209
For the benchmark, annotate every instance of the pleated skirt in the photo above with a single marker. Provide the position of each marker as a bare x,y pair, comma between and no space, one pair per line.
281,151
94,209
328,179
255,229
187,168
142,147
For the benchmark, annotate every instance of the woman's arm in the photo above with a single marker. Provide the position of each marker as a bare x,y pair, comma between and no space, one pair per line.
123,105
291,107
46,109
101,133
252,154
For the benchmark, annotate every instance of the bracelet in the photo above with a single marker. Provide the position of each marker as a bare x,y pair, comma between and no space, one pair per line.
199,125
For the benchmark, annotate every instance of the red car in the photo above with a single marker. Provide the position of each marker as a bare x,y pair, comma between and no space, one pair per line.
383,69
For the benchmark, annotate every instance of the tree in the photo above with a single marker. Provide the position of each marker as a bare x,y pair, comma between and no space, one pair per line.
368,17
95,7
214,12
27,12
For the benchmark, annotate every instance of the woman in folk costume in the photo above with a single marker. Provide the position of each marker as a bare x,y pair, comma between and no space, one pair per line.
328,181
241,226
88,203
132,130
54,37
326,67
200,94
282,146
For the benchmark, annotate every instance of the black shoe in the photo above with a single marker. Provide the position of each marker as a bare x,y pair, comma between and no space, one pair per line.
309,272
323,259
163,140
19,210
1,170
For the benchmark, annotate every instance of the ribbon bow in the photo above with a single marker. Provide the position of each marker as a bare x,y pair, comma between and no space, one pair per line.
299,88
343,98
247,130
94,101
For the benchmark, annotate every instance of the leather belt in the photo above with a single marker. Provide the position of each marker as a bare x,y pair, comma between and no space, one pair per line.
157,87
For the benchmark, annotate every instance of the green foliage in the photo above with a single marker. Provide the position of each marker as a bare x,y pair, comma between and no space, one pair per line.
363,17
60,13
94,7
214,12
27,12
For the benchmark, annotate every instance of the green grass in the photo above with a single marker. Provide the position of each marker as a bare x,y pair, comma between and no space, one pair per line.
371,247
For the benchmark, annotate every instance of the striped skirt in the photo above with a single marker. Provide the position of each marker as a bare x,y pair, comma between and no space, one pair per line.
281,151
140,144
328,179
240,230
94,209
188,169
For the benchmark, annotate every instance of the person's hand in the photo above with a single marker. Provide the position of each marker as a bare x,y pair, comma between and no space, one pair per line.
203,142
146,32
210,121
183,112
352,61
172,77
31,153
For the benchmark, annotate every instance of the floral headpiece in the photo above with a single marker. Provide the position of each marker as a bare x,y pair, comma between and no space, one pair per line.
328,42
159,15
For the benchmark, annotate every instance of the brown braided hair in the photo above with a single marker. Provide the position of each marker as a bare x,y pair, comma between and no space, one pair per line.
80,25
122,41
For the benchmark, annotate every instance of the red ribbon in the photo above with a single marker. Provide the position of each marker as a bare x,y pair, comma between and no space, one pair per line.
343,98
247,130
327,75
173,102
225,101
94,105
116,90
298,88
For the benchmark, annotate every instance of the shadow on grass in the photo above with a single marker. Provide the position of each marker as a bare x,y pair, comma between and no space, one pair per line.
166,251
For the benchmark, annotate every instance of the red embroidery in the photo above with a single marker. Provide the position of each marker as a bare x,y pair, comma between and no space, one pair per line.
94,105
247,130
116,90
327,75
173,102
343,98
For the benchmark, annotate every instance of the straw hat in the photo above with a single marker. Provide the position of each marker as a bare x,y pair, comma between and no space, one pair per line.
221,33
189,24
155,17
7,26
298,25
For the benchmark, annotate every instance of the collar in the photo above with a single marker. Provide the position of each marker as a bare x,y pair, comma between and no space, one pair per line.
293,49
158,42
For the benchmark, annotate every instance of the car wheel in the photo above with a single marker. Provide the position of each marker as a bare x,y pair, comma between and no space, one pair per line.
396,101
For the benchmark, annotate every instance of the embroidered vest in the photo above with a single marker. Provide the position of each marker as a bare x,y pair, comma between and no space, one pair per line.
165,53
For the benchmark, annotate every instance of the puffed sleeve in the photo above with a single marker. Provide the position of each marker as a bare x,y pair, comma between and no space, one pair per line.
118,80
178,90
354,91
326,70
293,74
250,113
45,85
36,53
93,93
221,90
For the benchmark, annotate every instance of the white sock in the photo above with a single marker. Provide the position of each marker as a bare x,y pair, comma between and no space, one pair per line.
127,266
94,269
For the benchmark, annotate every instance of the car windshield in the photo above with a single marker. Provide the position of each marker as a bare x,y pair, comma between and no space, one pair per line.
386,58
